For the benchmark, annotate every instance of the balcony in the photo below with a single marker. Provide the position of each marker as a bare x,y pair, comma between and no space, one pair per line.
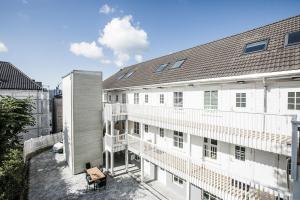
212,180
115,143
268,132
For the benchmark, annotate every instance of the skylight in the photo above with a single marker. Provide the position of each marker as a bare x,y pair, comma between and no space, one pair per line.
121,76
178,64
292,38
256,46
161,67
128,74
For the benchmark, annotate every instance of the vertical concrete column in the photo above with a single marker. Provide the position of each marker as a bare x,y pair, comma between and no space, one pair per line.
142,169
126,149
112,163
142,151
106,160
112,128
107,127
188,182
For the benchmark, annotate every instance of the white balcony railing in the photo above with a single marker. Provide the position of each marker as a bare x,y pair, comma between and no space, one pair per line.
215,181
116,142
269,132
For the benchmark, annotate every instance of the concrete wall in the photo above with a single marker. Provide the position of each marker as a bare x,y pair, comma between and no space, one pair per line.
41,113
179,190
195,193
83,119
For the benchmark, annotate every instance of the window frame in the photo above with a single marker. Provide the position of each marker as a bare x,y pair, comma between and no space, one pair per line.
159,69
240,153
210,106
179,66
239,100
117,98
136,128
286,39
178,139
146,98
294,98
177,180
124,98
161,132
263,40
178,99
210,150
161,98
146,128
136,98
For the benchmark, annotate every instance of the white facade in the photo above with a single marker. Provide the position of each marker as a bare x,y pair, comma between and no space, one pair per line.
41,113
247,135
82,119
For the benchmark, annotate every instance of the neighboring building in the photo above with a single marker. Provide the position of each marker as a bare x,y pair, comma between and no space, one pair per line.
216,121
82,119
15,83
56,110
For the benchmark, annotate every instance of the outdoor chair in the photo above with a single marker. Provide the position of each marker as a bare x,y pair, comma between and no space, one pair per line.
89,182
87,165
101,183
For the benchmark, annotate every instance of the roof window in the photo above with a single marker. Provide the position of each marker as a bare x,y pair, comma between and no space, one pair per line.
292,38
161,67
128,74
178,63
256,46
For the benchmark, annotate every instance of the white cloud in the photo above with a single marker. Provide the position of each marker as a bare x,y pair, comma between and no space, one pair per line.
106,9
105,61
124,39
138,58
89,50
25,2
3,48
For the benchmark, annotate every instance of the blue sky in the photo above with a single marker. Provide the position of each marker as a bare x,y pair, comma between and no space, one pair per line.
48,38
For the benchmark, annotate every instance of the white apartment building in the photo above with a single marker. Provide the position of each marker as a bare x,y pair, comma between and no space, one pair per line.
216,121
15,83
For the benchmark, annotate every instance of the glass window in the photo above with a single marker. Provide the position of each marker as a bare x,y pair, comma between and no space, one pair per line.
136,127
292,38
161,132
109,97
177,180
161,98
240,100
210,148
136,98
178,139
240,153
117,98
128,74
211,99
121,76
178,64
294,100
146,128
123,98
256,46
161,67
178,99
208,196
146,98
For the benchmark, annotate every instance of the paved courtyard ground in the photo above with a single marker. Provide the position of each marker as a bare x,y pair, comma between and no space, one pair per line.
50,178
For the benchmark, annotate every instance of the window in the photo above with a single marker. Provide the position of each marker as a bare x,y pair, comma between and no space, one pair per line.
109,97
121,76
240,100
210,148
209,196
128,74
136,98
211,99
161,98
292,38
289,168
161,132
161,67
146,98
117,98
177,180
146,128
294,100
105,97
136,127
178,139
136,158
256,46
240,153
178,64
178,99
123,98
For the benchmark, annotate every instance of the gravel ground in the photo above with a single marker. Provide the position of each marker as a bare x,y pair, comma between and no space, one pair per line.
50,178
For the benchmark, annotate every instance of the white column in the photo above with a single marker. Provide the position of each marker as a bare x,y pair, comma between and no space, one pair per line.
142,169
142,150
126,150
188,182
112,128
112,163
106,160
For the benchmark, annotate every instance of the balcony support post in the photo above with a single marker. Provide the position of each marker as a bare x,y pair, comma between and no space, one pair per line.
142,169
112,163
295,146
188,181
112,148
106,161
126,148
142,151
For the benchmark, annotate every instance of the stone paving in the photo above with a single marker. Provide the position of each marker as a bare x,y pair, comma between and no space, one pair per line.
50,178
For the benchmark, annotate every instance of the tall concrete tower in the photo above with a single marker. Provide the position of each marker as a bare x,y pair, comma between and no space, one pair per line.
82,119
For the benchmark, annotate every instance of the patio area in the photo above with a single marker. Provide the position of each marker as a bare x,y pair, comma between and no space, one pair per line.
50,178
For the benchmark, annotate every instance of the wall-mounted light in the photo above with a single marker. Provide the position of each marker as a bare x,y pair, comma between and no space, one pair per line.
160,87
191,85
240,82
296,78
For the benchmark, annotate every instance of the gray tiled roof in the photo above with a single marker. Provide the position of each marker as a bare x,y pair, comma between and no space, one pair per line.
12,78
221,58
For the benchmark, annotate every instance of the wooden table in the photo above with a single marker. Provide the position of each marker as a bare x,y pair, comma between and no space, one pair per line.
95,174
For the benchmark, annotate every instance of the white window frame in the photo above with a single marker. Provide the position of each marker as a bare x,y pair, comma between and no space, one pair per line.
109,98
178,181
178,139
146,128
136,98
287,39
210,196
161,132
117,98
178,99
136,128
124,98
146,98
210,150
161,98
241,100
240,153
209,102
293,101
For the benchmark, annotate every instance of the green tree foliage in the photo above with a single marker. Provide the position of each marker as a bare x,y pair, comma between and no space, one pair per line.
15,115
